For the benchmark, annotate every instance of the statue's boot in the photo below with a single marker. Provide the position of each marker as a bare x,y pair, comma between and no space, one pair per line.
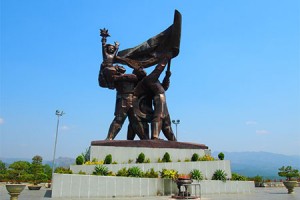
155,130
139,129
113,131
168,132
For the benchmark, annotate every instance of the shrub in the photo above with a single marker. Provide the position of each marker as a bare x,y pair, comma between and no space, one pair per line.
63,170
221,156
79,160
166,157
257,179
100,170
238,177
219,175
206,158
187,160
140,158
110,173
108,159
130,161
147,160
169,173
196,174
195,157
135,171
81,172
100,162
122,172
151,173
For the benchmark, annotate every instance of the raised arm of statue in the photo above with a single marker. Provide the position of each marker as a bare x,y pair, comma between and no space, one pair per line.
104,34
166,81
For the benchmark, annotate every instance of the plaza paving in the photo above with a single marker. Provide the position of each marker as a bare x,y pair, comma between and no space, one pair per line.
270,193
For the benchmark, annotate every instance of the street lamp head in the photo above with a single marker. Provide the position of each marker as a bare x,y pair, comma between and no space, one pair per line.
176,121
58,113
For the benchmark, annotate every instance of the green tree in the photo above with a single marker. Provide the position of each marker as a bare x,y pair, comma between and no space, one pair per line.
2,167
3,171
48,171
37,170
18,171
288,172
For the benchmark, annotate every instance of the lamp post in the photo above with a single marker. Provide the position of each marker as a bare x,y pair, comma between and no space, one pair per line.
59,114
176,122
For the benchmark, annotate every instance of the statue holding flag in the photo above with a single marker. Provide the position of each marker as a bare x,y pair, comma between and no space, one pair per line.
141,97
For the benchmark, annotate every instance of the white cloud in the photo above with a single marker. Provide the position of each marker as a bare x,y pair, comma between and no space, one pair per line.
262,132
1,121
251,122
65,128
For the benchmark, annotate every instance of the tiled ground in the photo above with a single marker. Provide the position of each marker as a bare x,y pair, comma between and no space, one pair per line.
279,193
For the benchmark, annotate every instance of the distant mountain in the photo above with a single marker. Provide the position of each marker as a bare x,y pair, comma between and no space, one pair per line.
62,162
59,162
259,163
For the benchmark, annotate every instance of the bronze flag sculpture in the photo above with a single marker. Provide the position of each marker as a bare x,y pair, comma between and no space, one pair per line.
141,97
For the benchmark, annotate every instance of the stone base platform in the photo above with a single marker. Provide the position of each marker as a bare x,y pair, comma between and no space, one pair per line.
149,144
125,151
76,186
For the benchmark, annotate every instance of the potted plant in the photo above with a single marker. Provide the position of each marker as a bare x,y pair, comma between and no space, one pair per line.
258,181
37,173
183,180
15,174
291,176
183,177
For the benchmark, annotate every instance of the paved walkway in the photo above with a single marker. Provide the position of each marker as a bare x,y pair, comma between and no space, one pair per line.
279,193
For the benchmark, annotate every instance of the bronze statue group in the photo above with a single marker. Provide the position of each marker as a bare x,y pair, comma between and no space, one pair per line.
140,97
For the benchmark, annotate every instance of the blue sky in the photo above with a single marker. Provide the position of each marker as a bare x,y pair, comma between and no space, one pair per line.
235,85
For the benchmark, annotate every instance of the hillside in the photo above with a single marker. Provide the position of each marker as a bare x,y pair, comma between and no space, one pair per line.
59,162
259,163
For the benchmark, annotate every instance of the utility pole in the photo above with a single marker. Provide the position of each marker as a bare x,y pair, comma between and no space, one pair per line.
59,114
176,122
